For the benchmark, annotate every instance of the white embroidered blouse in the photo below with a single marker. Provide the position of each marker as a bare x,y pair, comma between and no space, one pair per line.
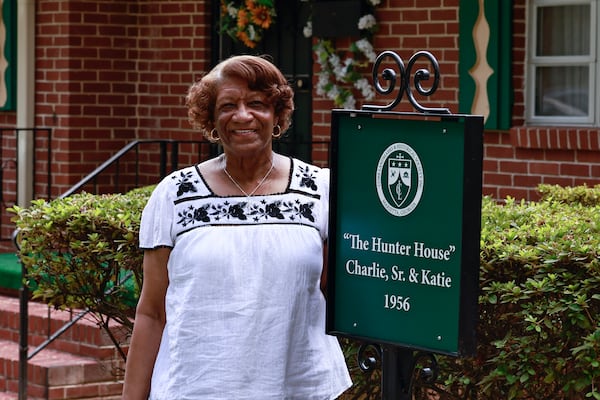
245,313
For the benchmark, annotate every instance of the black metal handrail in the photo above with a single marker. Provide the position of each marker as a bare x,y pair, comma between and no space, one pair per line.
135,146
12,163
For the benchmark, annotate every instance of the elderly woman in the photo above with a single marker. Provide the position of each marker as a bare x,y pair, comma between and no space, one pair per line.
231,306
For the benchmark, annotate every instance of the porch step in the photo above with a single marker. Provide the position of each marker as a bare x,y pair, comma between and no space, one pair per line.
82,363
84,338
10,396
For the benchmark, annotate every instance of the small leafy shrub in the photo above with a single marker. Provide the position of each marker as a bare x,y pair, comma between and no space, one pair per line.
82,252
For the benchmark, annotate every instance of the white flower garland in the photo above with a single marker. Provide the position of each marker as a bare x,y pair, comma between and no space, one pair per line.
338,79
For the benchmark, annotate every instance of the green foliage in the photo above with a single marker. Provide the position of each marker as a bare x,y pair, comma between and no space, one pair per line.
82,251
539,328
571,195
539,321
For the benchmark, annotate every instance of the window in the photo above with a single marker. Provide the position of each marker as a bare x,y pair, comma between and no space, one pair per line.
562,83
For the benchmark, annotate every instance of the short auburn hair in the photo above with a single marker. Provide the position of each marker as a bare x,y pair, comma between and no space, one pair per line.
260,74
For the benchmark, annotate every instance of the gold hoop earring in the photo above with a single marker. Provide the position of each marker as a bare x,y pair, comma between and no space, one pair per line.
279,132
213,135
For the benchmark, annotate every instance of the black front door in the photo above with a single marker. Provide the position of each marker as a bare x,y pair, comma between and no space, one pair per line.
291,51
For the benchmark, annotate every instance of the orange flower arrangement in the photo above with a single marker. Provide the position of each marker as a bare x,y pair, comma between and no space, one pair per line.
247,20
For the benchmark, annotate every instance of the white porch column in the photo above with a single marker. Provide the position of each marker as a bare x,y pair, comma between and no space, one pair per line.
25,98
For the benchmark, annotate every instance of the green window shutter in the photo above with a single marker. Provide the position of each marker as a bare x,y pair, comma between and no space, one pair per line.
8,59
486,85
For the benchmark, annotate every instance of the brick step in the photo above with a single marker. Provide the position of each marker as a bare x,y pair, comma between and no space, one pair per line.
82,363
58,375
85,338
10,396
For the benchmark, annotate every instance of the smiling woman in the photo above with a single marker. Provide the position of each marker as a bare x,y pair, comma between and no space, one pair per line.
231,306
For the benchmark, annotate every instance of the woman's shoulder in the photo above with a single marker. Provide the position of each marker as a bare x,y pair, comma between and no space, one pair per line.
309,177
182,182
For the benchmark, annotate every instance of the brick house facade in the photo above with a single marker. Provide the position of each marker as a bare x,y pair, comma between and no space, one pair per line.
108,72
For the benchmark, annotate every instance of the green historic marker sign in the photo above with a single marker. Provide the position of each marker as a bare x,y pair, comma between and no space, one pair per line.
405,219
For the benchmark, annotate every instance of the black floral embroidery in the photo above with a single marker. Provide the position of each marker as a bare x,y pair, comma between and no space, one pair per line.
306,211
185,184
200,214
191,215
262,211
266,210
308,177
237,211
274,211
281,209
228,211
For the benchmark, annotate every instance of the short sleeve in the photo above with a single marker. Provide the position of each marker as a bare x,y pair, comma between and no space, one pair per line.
323,179
156,225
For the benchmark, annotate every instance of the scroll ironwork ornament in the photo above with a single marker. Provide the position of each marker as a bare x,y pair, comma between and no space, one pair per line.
404,79
423,368
368,357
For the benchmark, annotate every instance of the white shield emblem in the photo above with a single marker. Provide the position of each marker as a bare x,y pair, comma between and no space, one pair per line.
400,187
399,179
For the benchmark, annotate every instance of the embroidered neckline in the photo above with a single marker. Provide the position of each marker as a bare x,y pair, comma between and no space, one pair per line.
273,211
198,206
187,180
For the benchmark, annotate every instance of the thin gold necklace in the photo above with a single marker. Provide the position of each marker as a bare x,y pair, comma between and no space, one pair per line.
262,181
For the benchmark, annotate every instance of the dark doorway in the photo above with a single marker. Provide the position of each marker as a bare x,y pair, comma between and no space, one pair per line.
291,51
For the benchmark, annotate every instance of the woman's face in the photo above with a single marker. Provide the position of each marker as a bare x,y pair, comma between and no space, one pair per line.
244,119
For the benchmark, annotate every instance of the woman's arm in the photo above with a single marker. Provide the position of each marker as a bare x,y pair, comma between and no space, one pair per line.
324,271
148,327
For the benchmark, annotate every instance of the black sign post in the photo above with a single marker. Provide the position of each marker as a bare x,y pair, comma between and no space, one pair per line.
405,220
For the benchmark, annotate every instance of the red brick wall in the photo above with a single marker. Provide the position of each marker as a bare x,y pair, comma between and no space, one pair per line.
406,27
108,72
516,161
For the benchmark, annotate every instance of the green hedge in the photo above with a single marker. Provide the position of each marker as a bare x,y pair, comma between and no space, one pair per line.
539,327
82,252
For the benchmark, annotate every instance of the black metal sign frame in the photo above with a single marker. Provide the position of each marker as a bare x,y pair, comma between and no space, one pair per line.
399,360
470,227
